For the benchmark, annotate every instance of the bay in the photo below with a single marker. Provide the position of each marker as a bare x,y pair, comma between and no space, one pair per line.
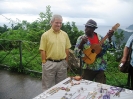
103,30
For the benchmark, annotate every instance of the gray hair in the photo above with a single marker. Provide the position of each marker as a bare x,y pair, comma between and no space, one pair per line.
56,16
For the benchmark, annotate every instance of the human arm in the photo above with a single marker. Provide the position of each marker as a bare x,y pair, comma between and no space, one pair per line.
68,46
125,53
42,48
126,48
81,45
84,40
108,44
43,56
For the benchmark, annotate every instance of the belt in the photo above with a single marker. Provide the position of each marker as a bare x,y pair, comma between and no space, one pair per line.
55,60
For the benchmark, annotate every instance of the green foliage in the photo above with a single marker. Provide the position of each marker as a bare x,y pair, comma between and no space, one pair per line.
3,29
33,31
119,37
72,32
44,20
30,56
113,75
118,52
29,35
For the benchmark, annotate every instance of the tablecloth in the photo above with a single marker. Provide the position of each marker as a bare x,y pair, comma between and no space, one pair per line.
84,89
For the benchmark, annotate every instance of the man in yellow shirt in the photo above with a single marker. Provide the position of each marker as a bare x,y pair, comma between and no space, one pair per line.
54,48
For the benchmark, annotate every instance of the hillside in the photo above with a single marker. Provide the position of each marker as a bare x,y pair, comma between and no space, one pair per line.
130,27
126,34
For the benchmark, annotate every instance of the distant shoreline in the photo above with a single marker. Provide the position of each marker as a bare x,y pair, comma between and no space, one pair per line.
104,29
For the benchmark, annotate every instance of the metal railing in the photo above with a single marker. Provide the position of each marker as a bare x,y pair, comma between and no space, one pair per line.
20,55
24,56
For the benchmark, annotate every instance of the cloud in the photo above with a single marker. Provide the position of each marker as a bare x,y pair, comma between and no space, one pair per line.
17,8
105,12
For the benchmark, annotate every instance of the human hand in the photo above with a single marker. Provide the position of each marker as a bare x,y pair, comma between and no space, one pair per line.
43,61
84,39
110,34
43,64
123,60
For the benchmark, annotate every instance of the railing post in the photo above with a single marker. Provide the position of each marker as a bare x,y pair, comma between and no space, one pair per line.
20,53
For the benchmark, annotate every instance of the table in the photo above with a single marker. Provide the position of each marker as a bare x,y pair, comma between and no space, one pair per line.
84,89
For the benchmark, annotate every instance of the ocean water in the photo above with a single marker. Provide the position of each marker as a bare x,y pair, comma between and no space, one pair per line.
103,30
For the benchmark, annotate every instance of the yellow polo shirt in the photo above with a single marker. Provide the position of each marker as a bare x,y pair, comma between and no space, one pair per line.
55,44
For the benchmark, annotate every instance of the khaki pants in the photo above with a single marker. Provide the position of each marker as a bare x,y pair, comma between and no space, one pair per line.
97,76
53,73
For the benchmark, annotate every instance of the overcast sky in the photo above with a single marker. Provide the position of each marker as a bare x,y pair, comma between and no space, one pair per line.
104,12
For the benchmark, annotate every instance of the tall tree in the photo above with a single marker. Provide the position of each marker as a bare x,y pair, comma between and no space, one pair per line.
3,29
45,18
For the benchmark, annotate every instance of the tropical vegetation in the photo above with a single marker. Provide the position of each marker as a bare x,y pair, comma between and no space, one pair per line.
19,47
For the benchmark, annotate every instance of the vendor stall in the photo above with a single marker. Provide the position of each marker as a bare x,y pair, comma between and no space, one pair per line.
84,89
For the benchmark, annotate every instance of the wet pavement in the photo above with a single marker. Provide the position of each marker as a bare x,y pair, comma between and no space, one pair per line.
18,86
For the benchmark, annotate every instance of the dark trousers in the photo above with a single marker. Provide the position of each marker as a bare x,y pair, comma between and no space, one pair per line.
131,76
97,76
